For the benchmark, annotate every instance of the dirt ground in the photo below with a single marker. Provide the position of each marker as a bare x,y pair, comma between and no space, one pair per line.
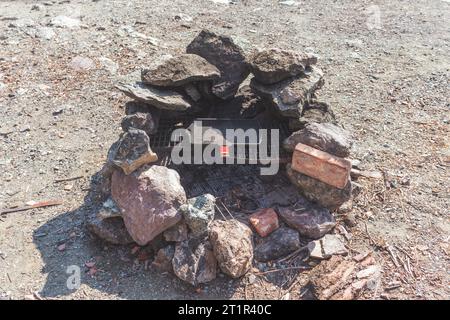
387,79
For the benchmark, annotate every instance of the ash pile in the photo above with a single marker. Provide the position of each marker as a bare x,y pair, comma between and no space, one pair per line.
196,235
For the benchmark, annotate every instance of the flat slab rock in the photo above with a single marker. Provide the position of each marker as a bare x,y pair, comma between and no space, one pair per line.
326,137
309,219
274,65
194,261
278,244
163,99
317,191
149,200
133,151
180,70
228,57
327,246
290,95
233,246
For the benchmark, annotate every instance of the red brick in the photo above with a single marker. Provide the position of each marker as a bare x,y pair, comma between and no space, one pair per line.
321,165
265,221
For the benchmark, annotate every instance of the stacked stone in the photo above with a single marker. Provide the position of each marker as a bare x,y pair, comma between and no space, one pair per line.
147,202
290,80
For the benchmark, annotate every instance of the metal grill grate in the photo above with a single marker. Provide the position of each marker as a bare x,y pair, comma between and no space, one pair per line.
161,141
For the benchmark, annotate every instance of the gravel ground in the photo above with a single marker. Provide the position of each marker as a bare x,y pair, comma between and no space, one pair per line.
386,65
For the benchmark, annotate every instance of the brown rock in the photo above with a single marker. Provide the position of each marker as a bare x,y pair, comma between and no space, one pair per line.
229,58
180,70
149,200
194,261
177,233
319,112
274,65
163,259
331,278
265,221
310,220
317,191
321,165
233,246
289,96
133,151
326,137
147,122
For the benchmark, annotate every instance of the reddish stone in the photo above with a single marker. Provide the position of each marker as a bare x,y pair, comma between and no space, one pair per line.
149,199
321,165
265,221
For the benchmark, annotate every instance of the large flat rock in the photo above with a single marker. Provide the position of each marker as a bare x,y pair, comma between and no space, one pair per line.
163,99
180,70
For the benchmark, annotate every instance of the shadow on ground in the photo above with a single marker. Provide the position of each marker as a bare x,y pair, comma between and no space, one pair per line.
66,246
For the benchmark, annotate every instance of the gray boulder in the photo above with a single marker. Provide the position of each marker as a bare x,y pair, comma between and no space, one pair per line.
145,121
317,191
319,112
324,248
108,226
278,244
228,57
194,261
288,96
310,220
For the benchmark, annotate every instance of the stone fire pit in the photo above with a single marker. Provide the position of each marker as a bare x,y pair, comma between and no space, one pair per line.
202,219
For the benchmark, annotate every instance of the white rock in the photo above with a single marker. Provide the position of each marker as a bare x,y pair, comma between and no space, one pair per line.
221,1
81,63
326,247
65,22
289,3
109,65
332,244
46,33
22,23
369,271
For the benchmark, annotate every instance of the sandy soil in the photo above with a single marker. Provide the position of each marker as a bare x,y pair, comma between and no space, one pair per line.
387,79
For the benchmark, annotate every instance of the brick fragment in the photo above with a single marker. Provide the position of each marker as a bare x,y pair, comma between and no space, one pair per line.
321,165
265,221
